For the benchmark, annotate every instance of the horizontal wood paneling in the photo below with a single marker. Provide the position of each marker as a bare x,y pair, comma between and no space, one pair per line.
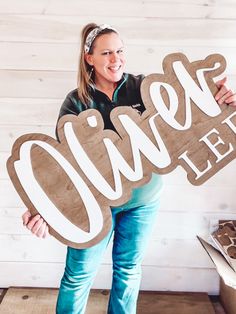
63,57
41,28
201,198
183,198
40,84
154,278
161,252
224,177
3,159
36,84
208,199
169,224
39,44
176,8
39,56
11,132
29,111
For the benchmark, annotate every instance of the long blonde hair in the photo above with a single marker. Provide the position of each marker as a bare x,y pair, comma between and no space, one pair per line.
85,79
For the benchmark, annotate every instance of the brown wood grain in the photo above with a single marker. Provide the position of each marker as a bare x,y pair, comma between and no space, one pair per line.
59,187
177,141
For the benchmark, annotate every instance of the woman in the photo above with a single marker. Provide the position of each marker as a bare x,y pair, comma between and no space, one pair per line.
103,85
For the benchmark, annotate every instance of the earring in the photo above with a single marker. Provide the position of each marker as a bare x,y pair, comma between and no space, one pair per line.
91,72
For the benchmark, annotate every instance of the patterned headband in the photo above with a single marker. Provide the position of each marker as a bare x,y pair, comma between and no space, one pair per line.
94,33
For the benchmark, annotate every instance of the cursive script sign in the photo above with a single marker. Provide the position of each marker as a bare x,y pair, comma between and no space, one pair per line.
73,183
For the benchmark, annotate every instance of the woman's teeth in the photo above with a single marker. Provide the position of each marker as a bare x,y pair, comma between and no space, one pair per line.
114,68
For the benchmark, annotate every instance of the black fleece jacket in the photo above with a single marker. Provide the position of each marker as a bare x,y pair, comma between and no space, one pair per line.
127,93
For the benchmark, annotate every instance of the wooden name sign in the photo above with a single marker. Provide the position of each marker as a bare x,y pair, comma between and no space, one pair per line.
73,183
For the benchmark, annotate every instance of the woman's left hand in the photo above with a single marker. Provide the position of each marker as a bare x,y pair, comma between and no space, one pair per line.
225,94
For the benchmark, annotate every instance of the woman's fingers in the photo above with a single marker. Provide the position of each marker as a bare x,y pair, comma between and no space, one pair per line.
46,232
37,226
32,222
224,94
25,217
231,100
221,82
41,230
225,97
222,91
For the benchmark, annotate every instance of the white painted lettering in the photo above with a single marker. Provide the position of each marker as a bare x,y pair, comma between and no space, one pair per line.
201,96
45,206
212,146
198,173
229,122
139,143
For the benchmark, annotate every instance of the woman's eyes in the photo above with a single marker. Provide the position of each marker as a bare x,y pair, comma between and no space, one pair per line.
106,53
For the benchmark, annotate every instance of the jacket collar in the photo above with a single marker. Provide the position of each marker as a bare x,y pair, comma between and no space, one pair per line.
119,84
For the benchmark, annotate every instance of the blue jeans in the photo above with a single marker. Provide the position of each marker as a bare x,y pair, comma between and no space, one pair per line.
132,229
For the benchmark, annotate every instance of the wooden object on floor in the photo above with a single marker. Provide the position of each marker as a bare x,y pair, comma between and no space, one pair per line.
2,293
29,301
228,297
174,303
43,301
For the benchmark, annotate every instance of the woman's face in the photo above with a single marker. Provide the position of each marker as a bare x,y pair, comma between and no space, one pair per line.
107,59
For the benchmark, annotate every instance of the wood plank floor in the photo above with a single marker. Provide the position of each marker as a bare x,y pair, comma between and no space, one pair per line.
42,301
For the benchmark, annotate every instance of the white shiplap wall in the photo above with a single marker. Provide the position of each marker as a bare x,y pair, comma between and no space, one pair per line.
39,43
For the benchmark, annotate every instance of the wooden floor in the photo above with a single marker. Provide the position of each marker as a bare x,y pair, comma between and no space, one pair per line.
42,301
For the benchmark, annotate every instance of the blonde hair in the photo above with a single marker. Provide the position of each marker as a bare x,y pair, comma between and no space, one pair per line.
85,72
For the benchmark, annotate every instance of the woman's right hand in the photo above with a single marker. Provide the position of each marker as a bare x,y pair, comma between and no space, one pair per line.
35,224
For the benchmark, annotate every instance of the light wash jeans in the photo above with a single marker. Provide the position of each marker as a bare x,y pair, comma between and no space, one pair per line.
132,229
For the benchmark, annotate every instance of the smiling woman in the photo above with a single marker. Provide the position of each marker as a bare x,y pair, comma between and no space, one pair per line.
103,85
102,60
107,61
